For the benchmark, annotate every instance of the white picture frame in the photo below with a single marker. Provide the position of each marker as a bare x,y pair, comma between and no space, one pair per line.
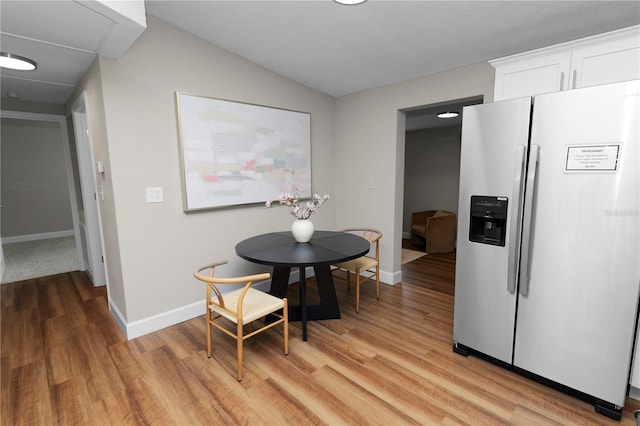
235,153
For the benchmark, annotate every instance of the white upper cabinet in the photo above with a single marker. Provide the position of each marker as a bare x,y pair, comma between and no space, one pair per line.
604,63
602,59
532,76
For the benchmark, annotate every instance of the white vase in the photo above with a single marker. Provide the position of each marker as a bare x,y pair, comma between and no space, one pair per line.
302,230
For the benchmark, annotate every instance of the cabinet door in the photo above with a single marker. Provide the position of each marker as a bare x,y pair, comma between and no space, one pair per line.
610,62
533,76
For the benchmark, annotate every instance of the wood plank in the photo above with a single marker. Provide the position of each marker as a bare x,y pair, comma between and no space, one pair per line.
69,403
26,398
392,363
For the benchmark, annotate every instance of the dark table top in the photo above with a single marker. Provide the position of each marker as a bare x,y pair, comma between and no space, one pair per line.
281,249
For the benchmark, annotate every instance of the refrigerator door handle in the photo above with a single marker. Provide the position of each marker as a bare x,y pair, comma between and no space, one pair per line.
526,220
516,222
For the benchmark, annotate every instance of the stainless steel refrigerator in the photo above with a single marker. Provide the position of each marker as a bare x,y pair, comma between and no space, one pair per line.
548,240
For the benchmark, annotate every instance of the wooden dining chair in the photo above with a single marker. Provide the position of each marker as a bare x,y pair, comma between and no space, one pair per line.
364,268
241,306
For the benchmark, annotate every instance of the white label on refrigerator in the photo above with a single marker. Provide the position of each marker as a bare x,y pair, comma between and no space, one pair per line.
592,158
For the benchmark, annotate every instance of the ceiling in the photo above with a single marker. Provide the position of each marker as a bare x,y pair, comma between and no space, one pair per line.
426,117
332,48
340,49
64,38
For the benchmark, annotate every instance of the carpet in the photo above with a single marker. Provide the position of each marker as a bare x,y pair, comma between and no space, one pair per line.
410,255
32,259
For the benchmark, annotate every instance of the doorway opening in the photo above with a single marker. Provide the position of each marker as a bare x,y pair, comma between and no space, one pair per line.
431,179
40,198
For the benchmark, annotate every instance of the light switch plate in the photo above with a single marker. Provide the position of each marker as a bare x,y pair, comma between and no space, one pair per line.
154,195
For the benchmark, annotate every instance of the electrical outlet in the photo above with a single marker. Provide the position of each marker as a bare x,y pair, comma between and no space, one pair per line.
370,183
154,195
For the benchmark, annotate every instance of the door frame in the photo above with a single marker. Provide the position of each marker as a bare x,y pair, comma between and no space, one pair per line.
89,189
66,147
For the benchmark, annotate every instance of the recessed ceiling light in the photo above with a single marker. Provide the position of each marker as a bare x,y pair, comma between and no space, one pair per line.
349,2
16,62
448,114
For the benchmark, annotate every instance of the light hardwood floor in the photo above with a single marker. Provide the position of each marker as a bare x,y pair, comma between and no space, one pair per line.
64,361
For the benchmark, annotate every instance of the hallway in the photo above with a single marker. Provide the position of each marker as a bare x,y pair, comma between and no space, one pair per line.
39,258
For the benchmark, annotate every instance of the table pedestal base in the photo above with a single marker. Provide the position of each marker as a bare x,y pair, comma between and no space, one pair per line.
327,308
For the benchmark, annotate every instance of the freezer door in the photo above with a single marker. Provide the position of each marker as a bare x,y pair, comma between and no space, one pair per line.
494,142
576,324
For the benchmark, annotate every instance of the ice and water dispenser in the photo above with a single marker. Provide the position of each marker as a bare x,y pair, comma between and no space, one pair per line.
488,220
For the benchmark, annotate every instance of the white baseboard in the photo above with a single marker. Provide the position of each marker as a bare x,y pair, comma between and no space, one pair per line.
391,278
166,319
117,316
157,322
634,393
35,237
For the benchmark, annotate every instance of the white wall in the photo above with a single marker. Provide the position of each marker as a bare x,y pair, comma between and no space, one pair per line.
159,245
35,190
431,171
92,85
152,249
370,147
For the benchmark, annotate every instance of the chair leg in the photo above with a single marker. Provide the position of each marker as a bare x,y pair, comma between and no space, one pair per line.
239,342
208,334
285,314
378,282
348,280
357,290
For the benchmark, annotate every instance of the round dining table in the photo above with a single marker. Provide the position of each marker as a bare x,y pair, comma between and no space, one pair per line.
281,251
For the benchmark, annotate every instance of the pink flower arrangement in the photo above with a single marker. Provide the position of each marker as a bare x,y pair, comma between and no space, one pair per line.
292,199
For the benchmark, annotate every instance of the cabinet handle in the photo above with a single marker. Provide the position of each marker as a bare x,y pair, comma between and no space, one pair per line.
561,80
575,77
